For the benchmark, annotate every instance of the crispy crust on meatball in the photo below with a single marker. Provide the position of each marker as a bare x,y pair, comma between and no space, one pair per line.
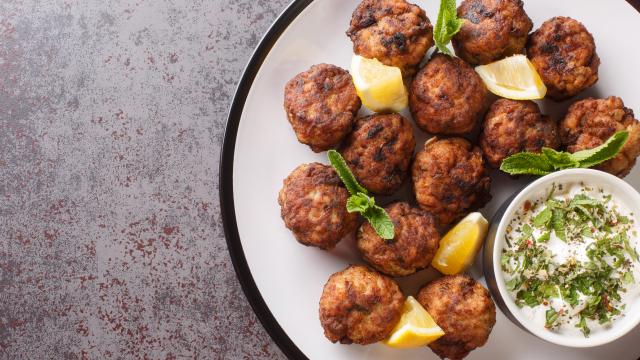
395,32
359,305
494,29
413,247
447,96
379,152
463,309
590,122
450,179
564,53
321,105
313,206
513,126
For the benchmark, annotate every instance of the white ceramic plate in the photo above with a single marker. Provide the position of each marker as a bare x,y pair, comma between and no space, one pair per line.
283,279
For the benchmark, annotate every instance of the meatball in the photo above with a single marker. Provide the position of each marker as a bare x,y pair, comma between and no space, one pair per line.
321,105
313,206
413,247
564,53
590,122
395,32
359,305
379,152
513,126
465,312
494,29
447,96
450,179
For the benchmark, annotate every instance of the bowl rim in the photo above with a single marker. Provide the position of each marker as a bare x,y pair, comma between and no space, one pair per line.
609,335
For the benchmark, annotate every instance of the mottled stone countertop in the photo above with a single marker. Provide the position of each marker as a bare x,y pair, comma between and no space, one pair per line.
111,119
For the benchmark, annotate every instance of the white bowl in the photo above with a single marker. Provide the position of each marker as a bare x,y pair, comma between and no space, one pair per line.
621,190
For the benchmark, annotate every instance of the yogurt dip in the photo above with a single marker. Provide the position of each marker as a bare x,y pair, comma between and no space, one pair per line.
570,262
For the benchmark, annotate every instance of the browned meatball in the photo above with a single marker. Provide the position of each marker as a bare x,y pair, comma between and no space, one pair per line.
590,122
465,312
494,29
379,152
447,96
513,126
450,179
321,105
313,206
395,32
564,53
413,247
359,305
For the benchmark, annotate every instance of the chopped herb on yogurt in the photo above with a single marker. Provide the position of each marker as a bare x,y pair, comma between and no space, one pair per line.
571,258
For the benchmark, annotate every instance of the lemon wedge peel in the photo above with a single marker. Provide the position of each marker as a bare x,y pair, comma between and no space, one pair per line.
514,78
380,87
416,327
458,248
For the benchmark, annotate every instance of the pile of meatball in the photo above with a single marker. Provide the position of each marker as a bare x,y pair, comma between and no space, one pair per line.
472,132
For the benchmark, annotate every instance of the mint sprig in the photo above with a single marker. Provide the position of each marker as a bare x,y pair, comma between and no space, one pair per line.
360,201
447,25
550,160
345,174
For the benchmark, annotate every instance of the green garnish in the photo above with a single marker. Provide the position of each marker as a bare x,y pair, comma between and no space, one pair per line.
582,325
550,160
360,201
447,25
592,283
345,174
551,318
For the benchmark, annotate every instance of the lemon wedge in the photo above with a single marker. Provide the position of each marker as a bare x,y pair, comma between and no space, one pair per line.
379,86
514,78
416,327
460,245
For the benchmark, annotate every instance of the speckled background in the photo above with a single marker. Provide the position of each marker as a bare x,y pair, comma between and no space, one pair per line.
111,119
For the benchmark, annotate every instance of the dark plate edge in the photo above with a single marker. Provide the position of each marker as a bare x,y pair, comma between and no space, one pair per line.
227,207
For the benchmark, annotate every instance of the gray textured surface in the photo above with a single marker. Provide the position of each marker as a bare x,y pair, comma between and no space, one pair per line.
111,119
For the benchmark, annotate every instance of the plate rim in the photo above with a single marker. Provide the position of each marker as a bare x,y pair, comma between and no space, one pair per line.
225,177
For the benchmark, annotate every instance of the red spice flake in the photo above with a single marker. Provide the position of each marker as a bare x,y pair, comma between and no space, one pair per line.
527,206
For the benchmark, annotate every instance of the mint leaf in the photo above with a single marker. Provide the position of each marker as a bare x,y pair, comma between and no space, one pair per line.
544,237
582,325
560,159
557,222
543,217
630,250
551,160
602,153
513,284
527,163
551,316
345,174
628,278
582,199
447,25
381,222
360,201
375,215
